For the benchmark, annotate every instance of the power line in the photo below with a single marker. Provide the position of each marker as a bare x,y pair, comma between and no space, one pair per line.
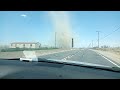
111,32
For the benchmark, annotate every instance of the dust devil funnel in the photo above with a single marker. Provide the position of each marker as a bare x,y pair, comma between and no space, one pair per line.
60,20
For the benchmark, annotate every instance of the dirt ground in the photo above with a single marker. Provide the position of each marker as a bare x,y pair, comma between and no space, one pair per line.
19,54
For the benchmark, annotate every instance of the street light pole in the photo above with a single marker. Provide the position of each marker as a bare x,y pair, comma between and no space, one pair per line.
72,43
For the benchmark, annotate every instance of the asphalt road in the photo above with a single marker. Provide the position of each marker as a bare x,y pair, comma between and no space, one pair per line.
82,55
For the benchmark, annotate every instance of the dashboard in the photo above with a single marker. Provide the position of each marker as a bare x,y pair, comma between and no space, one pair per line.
12,69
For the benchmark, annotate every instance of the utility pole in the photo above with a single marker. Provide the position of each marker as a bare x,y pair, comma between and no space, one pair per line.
98,38
55,39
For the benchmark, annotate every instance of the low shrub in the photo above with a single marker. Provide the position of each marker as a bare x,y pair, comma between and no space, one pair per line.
22,49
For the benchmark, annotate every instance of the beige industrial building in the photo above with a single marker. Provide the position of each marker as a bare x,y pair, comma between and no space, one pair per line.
25,45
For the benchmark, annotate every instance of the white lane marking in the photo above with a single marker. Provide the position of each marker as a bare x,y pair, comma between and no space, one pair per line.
69,56
109,60
63,59
66,58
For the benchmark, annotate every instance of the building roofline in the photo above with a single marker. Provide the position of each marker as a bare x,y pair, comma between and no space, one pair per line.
24,42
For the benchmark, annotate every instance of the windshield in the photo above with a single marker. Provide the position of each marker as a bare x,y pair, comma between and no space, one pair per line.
78,36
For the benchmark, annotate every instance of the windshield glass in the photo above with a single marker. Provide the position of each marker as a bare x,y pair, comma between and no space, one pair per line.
81,36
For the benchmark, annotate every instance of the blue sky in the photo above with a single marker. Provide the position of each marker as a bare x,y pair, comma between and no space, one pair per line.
38,26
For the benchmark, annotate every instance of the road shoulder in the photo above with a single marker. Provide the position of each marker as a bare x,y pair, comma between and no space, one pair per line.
113,56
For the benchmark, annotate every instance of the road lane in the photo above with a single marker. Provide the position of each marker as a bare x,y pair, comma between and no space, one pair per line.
91,57
60,55
83,55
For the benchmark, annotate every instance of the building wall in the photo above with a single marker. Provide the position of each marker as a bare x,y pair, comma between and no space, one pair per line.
37,45
25,45
13,46
28,46
19,45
